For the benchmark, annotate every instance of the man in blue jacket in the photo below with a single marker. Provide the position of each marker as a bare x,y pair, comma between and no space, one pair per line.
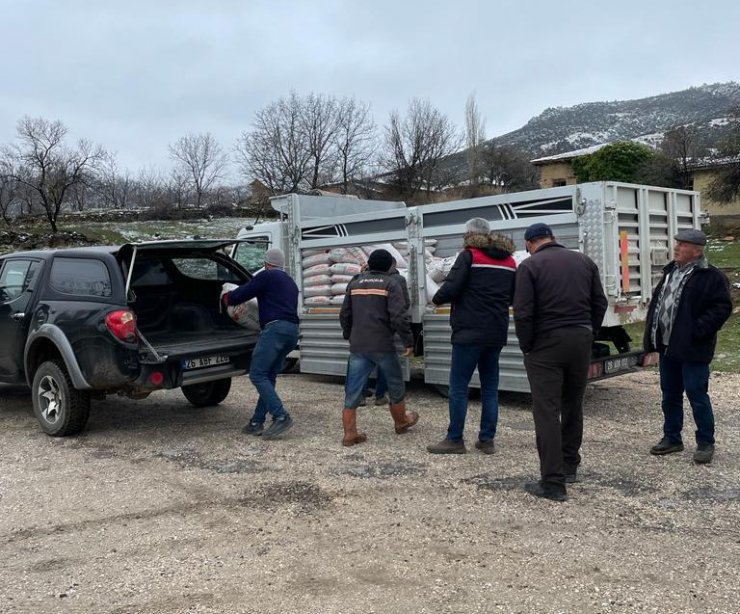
689,305
277,302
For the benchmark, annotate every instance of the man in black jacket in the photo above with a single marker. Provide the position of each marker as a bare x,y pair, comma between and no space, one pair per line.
373,310
480,287
559,305
690,304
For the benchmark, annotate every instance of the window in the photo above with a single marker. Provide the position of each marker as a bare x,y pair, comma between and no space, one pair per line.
252,255
80,276
15,278
556,183
206,269
150,272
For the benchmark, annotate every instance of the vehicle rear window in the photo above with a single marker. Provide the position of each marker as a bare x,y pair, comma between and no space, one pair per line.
150,272
206,269
80,276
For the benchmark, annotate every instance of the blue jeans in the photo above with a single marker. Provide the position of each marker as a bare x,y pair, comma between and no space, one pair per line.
381,386
677,377
359,368
278,339
465,358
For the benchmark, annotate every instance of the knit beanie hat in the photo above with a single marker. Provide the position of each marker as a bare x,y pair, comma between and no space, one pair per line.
380,260
275,257
477,225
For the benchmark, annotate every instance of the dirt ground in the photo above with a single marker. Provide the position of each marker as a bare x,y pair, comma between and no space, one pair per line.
163,508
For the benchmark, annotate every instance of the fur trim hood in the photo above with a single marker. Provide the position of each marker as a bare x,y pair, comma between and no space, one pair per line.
494,245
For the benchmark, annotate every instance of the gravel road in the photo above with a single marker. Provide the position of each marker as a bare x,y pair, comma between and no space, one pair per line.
163,508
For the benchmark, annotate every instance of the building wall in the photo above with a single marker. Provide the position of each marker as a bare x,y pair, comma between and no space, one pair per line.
556,174
702,179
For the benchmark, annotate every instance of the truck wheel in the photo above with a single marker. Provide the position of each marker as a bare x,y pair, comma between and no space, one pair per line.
208,393
58,406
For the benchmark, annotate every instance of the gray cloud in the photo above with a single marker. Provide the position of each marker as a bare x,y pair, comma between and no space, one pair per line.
135,76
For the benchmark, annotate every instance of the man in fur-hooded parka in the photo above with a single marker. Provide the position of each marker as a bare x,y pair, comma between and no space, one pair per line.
480,288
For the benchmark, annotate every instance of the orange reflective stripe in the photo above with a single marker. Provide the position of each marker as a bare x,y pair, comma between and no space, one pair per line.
369,291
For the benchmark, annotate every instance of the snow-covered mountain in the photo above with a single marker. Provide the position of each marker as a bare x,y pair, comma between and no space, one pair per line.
560,129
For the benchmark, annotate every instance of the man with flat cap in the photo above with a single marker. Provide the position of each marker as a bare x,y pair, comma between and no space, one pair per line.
690,304
559,305
277,302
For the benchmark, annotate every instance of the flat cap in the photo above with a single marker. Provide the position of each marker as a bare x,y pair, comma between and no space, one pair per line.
691,235
535,231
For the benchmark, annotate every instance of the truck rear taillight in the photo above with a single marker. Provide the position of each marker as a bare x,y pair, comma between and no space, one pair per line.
122,324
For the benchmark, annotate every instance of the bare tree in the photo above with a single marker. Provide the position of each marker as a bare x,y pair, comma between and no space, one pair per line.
276,150
354,140
115,189
507,169
416,146
42,163
151,190
8,188
319,116
200,157
474,138
682,145
179,187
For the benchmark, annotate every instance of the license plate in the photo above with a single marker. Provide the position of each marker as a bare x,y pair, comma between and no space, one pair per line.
204,361
612,365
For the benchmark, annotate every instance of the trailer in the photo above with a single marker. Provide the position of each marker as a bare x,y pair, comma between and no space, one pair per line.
626,229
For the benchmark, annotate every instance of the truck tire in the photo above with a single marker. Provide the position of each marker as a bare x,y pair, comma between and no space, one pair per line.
60,409
207,393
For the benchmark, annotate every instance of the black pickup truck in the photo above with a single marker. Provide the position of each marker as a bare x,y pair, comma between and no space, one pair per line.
83,323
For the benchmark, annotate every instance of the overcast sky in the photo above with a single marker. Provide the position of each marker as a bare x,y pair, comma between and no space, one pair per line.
135,75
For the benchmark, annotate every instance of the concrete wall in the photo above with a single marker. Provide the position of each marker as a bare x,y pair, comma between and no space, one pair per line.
554,174
702,180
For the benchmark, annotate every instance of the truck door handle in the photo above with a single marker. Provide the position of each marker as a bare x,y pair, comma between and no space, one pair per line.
18,316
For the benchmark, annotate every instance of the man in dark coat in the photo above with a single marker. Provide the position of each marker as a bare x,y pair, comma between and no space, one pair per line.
559,305
480,287
374,309
690,304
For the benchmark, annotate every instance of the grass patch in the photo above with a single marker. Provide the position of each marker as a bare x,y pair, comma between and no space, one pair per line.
726,356
723,254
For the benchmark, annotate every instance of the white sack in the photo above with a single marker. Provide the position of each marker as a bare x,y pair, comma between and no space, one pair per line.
245,314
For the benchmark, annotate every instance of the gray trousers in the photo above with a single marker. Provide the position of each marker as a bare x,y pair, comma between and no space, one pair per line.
557,369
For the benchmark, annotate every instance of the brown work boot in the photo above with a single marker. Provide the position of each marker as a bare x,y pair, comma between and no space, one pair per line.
349,422
403,419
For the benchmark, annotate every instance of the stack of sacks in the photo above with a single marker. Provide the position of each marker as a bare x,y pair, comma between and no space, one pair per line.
429,247
346,263
316,277
400,260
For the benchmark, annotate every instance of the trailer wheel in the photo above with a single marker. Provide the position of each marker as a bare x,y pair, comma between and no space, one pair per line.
207,393
60,409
